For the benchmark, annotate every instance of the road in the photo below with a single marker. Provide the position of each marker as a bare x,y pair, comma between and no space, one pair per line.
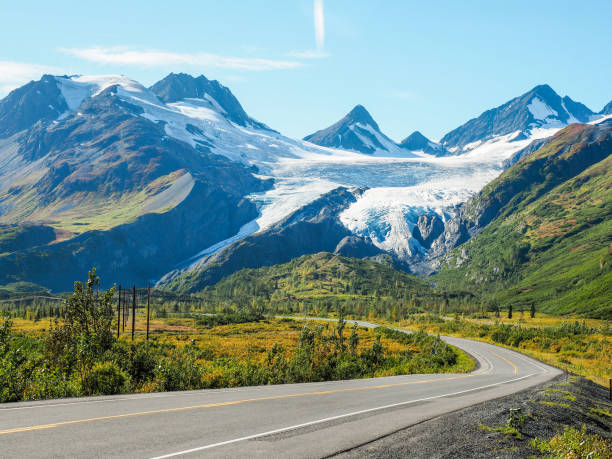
292,420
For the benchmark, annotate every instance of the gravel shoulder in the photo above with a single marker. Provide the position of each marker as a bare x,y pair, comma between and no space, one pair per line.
565,401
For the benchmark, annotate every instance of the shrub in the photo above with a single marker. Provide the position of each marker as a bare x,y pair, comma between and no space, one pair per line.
50,382
105,378
239,317
178,372
574,443
138,360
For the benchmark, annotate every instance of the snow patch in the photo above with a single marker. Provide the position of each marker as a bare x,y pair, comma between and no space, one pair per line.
600,119
540,110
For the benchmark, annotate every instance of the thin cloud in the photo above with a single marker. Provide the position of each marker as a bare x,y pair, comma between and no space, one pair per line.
319,24
14,74
158,58
309,54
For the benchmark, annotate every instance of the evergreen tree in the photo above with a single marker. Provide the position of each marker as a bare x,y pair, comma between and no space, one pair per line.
510,312
533,310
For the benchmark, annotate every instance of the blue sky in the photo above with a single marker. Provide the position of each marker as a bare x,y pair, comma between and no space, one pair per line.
300,65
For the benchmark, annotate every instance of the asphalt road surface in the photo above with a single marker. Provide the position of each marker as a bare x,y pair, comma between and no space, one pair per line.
292,420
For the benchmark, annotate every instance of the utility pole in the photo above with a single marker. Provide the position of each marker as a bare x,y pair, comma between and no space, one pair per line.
119,312
133,310
125,308
148,308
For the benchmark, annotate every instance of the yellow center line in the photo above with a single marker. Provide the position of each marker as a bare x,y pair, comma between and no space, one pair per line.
228,403
507,361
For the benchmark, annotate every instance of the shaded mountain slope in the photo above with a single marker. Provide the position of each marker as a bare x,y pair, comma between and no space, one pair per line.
311,229
29,104
137,252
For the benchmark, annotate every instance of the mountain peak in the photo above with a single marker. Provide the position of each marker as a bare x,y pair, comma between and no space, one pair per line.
607,110
33,102
544,90
416,136
540,107
356,131
418,142
359,114
180,86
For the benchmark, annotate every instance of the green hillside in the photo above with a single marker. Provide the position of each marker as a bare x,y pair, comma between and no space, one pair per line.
321,282
551,243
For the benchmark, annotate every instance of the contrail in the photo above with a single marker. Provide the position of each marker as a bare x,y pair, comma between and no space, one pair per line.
319,24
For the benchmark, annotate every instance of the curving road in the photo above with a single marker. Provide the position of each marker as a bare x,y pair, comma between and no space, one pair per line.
293,420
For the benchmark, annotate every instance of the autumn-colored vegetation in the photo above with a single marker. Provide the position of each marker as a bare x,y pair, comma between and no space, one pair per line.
583,347
78,354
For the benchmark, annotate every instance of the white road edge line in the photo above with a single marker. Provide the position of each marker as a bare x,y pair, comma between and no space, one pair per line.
333,418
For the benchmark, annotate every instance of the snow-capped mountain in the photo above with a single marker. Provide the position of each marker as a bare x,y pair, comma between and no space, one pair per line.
535,114
418,142
180,87
36,101
607,110
100,170
357,131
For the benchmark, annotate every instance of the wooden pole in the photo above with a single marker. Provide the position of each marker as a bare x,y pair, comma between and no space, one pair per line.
133,310
125,306
119,312
148,308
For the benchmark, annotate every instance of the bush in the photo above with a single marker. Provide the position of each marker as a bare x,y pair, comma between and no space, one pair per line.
48,382
239,317
178,372
105,378
138,360
574,443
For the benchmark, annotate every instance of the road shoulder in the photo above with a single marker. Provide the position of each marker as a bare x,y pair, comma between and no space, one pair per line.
479,431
